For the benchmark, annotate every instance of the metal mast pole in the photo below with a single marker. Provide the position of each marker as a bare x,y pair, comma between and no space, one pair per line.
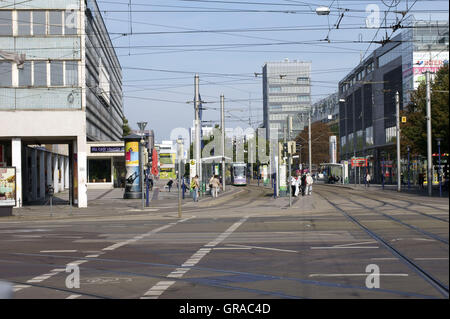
397,107
222,124
289,126
197,130
429,143
309,142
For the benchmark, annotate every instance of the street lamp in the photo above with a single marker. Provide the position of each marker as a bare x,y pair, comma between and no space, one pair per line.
142,126
323,11
439,168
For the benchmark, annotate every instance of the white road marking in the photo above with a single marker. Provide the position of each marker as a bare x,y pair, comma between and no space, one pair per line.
440,258
158,289
357,275
232,248
266,248
73,296
350,247
58,251
19,287
387,258
79,262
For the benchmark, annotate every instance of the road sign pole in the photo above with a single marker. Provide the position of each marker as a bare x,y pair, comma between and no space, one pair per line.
399,165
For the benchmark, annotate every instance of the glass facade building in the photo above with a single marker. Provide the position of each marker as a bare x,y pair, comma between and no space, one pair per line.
286,91
367,111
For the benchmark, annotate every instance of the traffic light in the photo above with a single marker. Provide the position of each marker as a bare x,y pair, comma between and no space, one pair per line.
285,149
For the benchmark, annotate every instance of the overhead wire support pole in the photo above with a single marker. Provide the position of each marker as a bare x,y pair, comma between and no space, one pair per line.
222,125
429,137
309,142
397,108
197,128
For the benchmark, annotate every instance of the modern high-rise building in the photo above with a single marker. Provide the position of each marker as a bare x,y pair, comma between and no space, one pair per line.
60,83
367,110
286,91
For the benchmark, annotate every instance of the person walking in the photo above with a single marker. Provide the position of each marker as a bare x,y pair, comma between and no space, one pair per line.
298,183
194,188
169,184
368,179
309,182
215,184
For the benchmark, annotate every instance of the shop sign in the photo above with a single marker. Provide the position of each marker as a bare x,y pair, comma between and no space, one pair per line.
8,186
107,149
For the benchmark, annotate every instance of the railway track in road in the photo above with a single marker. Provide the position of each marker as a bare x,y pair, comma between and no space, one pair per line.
424,274
402,198
418,229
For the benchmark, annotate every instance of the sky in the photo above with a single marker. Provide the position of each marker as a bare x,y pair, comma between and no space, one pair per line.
162,44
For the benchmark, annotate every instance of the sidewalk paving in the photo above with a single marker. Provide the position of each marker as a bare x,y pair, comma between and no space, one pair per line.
108,203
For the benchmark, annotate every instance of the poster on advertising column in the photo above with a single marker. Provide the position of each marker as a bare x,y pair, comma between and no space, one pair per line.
132,180
8,186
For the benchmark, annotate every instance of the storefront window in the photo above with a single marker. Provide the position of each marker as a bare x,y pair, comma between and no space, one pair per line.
99,170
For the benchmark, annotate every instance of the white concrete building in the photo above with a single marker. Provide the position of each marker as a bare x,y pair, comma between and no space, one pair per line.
61,83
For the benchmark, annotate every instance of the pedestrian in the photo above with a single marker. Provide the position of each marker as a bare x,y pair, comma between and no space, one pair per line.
293,182
169,184
368,179
210,184
215,183
303,184
309,182
421,180
298,183
194,188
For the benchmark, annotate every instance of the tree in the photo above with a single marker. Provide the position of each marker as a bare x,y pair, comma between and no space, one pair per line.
320,137
414,131
126,130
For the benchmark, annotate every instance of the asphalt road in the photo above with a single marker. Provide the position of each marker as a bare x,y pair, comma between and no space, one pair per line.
245,246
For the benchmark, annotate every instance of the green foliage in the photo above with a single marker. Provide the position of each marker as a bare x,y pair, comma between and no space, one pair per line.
126,130
414,131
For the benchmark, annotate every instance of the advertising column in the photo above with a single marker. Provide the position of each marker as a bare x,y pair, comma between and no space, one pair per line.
132,177
7,190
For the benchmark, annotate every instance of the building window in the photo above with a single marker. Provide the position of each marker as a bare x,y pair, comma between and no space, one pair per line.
5,74
25,75
303,80
55,22
390,134
40,73
71,73
24,22
39,23
275,89
99,170
6,22
70,23
56,73
369,136
303,98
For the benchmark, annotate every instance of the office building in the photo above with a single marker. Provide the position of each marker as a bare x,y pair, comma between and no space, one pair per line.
61,84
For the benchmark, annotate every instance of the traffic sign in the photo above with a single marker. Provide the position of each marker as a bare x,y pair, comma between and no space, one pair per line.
359,162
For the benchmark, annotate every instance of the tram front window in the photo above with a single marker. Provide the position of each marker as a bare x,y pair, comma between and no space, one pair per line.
239,171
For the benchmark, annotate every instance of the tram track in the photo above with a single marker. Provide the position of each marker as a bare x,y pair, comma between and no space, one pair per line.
415,228
434,282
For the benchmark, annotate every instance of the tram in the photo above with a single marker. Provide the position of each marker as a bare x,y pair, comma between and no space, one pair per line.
239,174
